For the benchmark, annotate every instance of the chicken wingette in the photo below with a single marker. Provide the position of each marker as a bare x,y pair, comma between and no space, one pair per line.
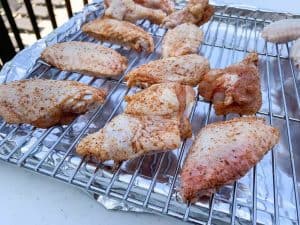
44,103
120,32
85,57
168,6
224,152
165,99
197,12
186,69
130,11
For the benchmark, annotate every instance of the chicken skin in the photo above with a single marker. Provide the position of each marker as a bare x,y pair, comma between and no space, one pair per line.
235,89
120,32
165,99
44,103
197,12
85,57
182,40
132,12
224,152
128,136
162,100
187,70
168,6
155,119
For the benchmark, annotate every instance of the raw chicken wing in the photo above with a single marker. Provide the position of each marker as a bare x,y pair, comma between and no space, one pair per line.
196,11
167,6
44,103
161,100
85,57
127,136
182,40
132,12
186,69
120,32
224,152
166,99
235,89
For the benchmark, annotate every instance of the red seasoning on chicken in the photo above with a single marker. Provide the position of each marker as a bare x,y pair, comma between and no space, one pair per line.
44,103
128,136
130,11
186,69
197,12
224,152
168,6
84,57
235,89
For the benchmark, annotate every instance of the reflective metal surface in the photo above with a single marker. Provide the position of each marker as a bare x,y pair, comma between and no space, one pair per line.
268,194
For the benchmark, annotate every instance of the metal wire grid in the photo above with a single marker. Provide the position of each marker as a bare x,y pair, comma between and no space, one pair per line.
256,198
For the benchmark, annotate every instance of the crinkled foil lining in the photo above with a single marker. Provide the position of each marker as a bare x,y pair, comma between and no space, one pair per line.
23,63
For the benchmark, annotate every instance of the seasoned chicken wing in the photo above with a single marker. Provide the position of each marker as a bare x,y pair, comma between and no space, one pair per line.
127,136
168,6
182,40
85,57
132,12
235,89
224,152
186,69
166,99
197,12
119,32
162,100
44,103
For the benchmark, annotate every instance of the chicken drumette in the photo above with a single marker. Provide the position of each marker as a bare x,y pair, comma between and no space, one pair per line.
85,57
197,12
167,6
132,12
165,99
128,136
235,89
120,32
155,119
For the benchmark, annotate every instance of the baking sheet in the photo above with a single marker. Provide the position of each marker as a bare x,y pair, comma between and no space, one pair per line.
229,36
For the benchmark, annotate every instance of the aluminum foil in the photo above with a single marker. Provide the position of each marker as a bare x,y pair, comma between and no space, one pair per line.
222,49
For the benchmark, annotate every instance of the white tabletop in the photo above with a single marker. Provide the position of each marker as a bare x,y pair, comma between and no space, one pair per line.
28,198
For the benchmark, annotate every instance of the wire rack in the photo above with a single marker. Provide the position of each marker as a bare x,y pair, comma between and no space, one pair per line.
268,194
